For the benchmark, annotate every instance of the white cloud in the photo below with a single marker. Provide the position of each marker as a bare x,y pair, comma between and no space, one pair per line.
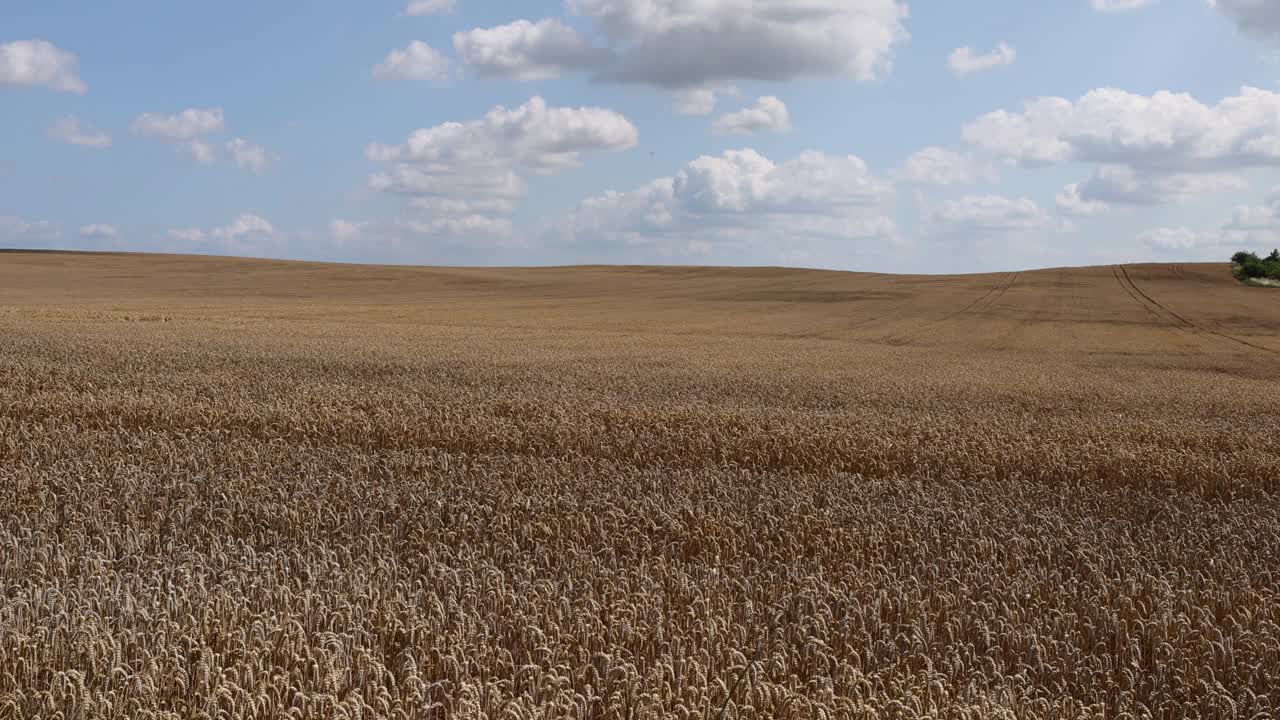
344,231
501,201
993,213
1121,185
1115,6
440,187
1253,227
1166,132
71,131
1257,217
246,235
937,166
184,130
186,125
245,225
429,7
14,231
1071,204
418,61
741,200
698,101
99,231
1260,18
470,175
768,114
187,131
1250,227
39,63
964,61
248,156
535,136
466,228
702,100
404,239
1147,150
744,181
682,44
1175,240
202,152
524,50
186,235
477,166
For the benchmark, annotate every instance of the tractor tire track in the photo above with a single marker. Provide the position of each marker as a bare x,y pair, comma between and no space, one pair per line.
1192,326
1124,271
990,297
1038,310
983,301
1115,271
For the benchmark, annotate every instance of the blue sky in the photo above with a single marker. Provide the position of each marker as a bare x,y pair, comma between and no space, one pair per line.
850,134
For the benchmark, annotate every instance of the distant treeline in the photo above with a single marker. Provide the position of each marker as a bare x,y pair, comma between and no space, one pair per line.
1249,265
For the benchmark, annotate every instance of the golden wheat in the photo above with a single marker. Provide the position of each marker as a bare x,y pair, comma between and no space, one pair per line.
233,489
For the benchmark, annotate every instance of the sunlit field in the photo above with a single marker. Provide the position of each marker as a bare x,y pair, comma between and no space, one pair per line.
250,489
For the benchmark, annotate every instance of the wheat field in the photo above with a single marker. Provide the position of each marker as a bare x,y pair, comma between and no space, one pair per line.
249,489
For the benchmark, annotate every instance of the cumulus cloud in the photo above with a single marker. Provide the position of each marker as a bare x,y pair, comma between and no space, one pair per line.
937,166
1257,217
201,151
71,131
186,235
698,101
1119,185
243,226
452,188
696,48
535,136
1166,131
1147,150
17,232
186,125
365,237
990,213
404,239
188,130
702,100
248,156
524,50
1250,227
1253,227
185,130
744,181
418,61
39,63
1178,240
477,167
246,235
99,231
344,231
738,199
1071,204
429,7
1260,18
465,228
768,114
964,60
682,44
1116,6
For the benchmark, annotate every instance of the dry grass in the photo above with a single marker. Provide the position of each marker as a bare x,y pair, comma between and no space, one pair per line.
265,490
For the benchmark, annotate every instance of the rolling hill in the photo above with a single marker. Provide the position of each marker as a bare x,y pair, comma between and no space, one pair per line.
241,488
